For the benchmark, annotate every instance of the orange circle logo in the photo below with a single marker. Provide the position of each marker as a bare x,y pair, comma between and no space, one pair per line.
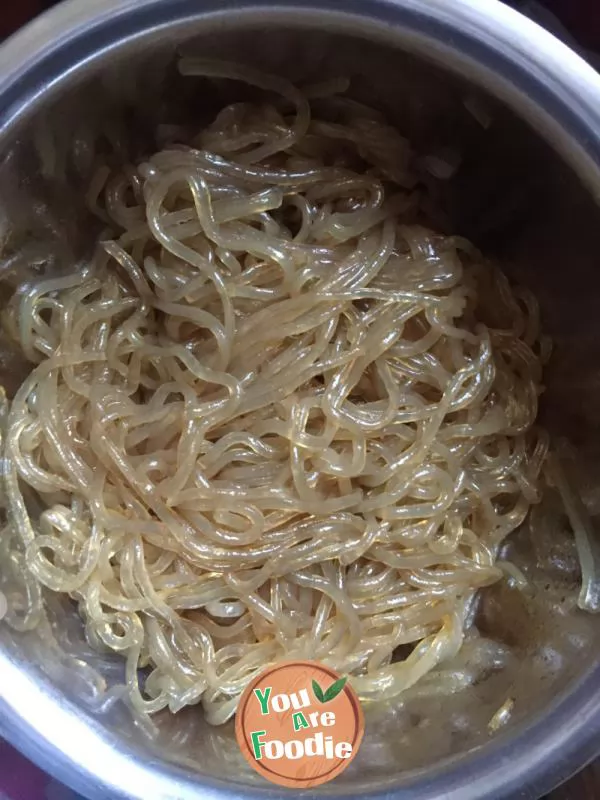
299,724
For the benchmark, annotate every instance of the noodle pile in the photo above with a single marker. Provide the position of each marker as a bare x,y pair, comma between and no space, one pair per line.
276,416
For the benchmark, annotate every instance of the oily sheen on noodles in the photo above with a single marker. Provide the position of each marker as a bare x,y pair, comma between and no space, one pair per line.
276,416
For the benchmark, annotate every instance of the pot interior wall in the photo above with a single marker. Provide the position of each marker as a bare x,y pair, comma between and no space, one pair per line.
511,195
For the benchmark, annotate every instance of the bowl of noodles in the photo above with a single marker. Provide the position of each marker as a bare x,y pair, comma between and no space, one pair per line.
298,346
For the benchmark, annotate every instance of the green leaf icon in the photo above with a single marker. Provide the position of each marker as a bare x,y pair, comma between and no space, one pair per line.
318,692
335,689
331,693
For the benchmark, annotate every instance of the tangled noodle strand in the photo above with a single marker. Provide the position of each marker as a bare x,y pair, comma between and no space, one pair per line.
276,416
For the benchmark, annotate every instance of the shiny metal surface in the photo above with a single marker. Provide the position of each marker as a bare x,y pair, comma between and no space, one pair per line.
417,59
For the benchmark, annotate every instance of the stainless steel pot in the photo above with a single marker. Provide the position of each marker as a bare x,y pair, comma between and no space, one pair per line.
525,192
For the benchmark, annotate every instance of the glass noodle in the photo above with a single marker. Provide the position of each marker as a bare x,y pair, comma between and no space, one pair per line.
276,416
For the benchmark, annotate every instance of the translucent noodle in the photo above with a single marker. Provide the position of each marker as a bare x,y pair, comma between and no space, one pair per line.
276,416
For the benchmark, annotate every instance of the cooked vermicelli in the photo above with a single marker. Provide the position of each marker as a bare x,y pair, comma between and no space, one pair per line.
276,415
